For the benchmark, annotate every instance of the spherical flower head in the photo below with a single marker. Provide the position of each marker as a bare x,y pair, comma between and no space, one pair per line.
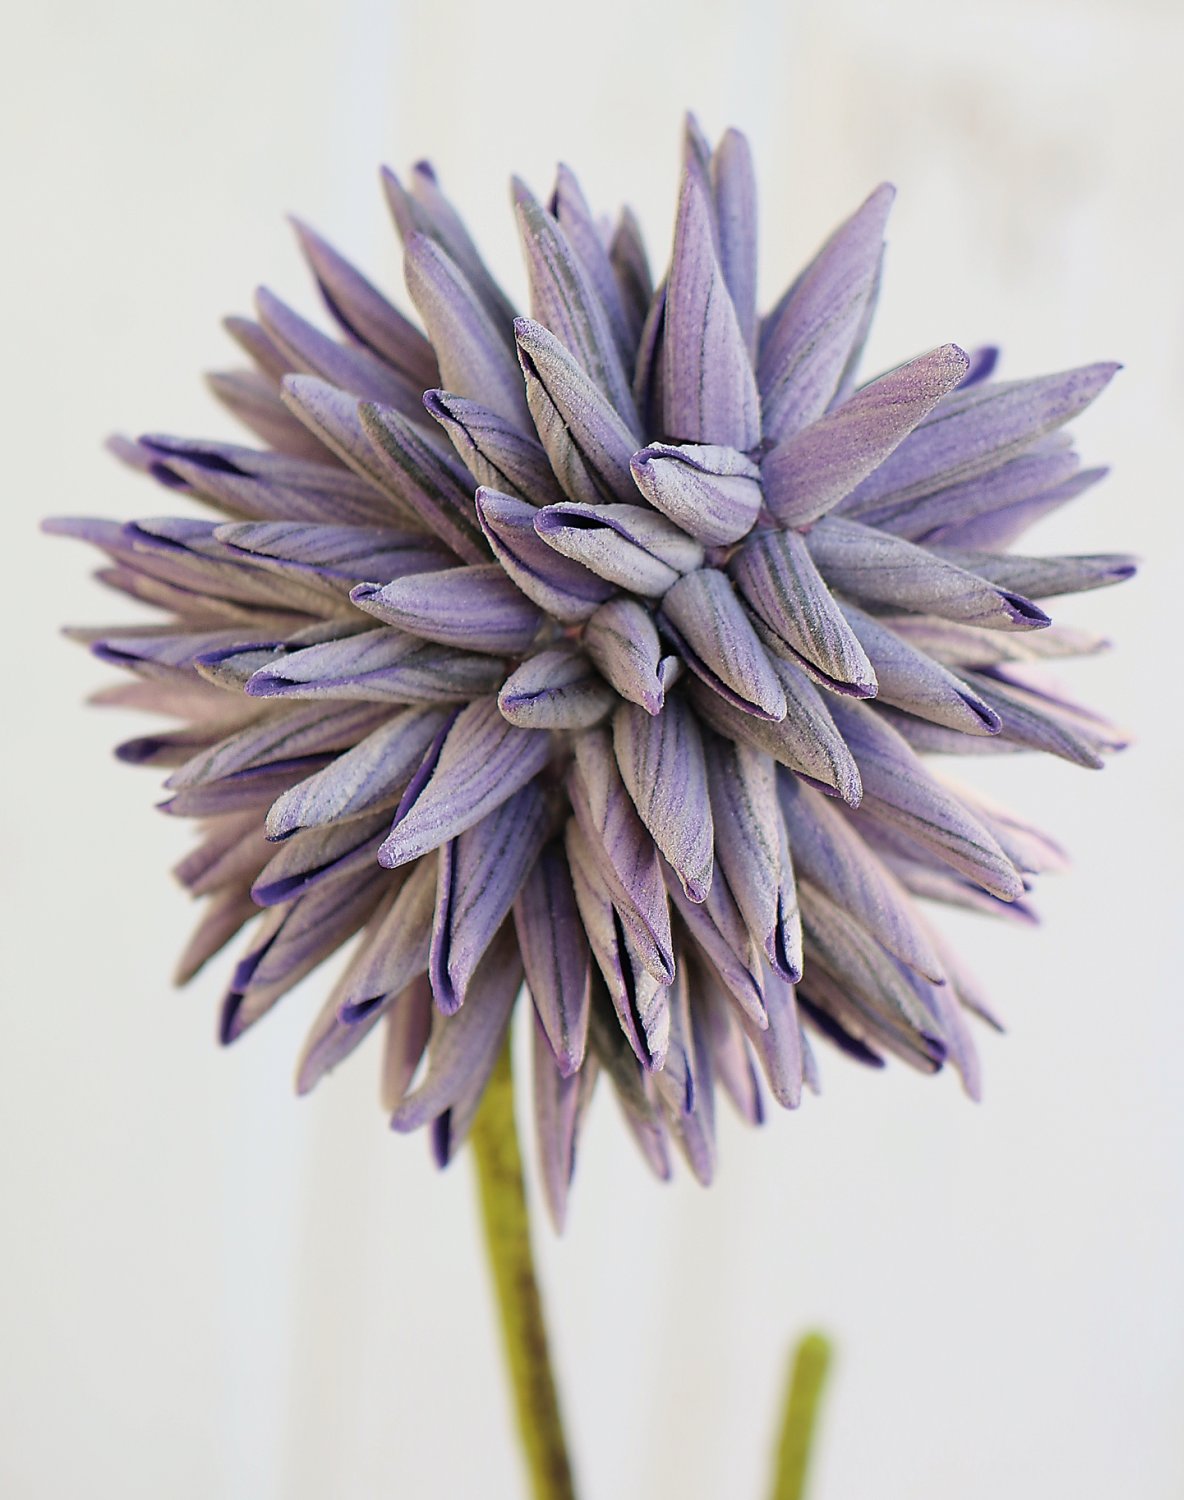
592,657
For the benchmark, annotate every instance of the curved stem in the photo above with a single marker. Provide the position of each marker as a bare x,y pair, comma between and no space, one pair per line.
807,1376
506,1220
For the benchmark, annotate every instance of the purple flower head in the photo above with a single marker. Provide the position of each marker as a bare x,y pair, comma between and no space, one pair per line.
596,656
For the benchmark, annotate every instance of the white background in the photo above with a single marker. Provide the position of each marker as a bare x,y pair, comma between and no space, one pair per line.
209,1289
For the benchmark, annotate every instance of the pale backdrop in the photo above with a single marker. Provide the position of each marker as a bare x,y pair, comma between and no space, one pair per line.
210,1289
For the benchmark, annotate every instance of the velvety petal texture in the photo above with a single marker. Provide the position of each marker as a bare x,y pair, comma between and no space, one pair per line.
604,655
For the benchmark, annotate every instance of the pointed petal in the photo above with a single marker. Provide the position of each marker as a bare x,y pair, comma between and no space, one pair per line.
377,666
317,855
812,333
560,585
351,554
844,950
395,952
253,400
914,682
622,850
806,739
878,568
731,1060
779,1044
733,179
632,1084
622,640
718,928
709,390
292,941
408,1026
428,481
583,235
463,1048
813,470
977,428
638,998
1036,725
556,689
717,641
372,775
587,443
712,493
662,765
480,873
778,580
275,739
365,314
482,762
564,300
557,1098
425,210
475,360
746,827
626,545
311,352
899,790
1045,466
556,956
475,609
495,451
332,416
828,852
1046,576
631,269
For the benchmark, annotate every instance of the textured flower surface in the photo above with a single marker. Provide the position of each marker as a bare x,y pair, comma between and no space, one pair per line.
591,656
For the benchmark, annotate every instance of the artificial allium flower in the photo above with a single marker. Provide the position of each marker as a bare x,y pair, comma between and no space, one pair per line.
597,649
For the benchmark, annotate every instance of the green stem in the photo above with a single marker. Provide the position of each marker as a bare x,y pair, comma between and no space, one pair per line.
506,1220
807,1376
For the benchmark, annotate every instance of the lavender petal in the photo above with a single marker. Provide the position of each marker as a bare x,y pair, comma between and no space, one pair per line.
481,763
637,997
556,956
372,775
479,876
899,790
828,852
712,493
473,608
733,180
365,314
563,298
311,352
717,641
878,568
709,390
809,473
588,444
780,583
976,428
810,336
626,545
463,1048
495,451
556,689
622,850
663,767
475,360
560,585
622,640
427,480
914,682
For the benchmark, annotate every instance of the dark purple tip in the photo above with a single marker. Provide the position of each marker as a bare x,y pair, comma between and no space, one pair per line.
1023,611
228,1028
